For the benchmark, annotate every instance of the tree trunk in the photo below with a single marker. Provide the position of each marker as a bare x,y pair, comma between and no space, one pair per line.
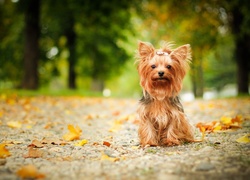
242,53
31,49
242,57
71,43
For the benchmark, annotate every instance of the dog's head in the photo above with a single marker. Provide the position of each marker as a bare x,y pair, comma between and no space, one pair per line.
162,70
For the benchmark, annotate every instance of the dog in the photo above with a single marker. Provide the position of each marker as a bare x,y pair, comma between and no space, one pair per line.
162,121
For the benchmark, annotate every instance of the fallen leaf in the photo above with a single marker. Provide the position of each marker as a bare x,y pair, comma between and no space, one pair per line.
81,143
14,124
116,126
53,141
105,157
116,113
11,142
1,113
49,125
96,144
3,151
135,147
36,143
237,119
29,172
225,123
217,128
33,153
226,120
106,143
244,139
73,134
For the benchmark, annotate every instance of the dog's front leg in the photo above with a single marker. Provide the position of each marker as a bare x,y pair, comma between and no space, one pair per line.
147,134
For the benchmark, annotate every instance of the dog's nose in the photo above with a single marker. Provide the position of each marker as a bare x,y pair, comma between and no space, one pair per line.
161,73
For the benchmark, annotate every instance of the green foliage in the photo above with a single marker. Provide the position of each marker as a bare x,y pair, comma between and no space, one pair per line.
11,49
106,36
220,67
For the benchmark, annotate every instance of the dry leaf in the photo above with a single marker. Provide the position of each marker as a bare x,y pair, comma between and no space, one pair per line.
11,142
244,139
29,172
224,124
81,143
73,134
14,124
36,143
3,151
105,157
1,113
33,153
135,147
106,143
116,126
116,113
226,120
54,142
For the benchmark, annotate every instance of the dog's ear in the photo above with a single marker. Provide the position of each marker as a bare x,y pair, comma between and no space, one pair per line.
181,53
145,49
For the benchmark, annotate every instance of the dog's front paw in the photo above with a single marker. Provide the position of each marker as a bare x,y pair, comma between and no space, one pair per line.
170,142
149,143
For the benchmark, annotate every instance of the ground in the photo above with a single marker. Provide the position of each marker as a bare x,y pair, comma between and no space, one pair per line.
102,142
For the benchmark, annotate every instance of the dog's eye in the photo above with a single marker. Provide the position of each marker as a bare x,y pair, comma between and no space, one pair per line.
153,66
169,66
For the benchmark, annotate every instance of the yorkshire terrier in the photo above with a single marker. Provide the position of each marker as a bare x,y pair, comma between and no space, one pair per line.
162,119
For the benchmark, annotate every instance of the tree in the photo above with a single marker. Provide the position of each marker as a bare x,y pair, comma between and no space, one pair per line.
203,24
168,20
31,47
240,25
93,30
11,46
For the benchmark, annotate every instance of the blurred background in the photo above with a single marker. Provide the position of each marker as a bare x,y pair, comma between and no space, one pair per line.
87,47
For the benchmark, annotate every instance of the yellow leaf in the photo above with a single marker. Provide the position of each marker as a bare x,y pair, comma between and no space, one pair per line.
3,151
135,147
28,126
1,113
116,126
244,139
14,124
82,142
73,134
105,157
217,128
226,120
29,172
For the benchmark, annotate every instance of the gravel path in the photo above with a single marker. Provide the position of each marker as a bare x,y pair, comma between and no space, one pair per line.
112,150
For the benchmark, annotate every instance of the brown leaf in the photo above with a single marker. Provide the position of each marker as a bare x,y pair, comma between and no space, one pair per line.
36,143
29,172
106,143
33,153
53,141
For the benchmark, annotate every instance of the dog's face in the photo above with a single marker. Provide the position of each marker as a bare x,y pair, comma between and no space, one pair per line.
162,71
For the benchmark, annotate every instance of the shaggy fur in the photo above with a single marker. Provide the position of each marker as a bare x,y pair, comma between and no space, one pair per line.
162,118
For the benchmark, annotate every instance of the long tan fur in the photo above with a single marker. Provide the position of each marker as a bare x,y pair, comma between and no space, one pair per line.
162,118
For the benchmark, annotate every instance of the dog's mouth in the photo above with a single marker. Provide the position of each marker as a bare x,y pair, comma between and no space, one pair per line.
161,79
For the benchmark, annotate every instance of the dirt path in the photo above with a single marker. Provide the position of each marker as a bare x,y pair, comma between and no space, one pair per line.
112,151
